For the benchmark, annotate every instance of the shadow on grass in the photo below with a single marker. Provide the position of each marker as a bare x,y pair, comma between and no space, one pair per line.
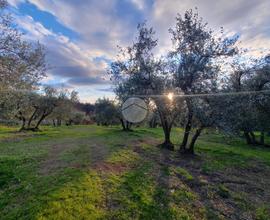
142,190
24,191
140,194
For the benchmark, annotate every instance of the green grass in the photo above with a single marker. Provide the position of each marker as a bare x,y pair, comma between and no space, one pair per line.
183,172
262,213
92,172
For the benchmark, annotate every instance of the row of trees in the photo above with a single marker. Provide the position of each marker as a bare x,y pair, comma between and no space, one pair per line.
32,108
200,62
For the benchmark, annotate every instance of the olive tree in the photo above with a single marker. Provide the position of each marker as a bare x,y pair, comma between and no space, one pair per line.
249,111
197,56
22,65
137,72
106,112
66,108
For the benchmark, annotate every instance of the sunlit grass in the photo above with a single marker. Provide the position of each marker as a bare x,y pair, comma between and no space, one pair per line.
80,183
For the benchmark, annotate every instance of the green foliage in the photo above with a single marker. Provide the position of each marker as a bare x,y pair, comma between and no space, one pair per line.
22,62
106,112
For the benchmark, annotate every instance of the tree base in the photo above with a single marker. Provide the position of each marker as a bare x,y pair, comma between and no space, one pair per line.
167,146
257,144
187,152
30,129
127,130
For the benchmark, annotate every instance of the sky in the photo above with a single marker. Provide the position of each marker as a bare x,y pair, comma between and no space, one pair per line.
81,36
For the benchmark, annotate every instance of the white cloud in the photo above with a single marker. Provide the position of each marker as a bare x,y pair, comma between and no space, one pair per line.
247,18
140,4
66,58
101,26
15,3
34,30
97,23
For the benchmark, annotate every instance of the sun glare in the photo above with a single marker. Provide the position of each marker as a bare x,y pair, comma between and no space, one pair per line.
170,96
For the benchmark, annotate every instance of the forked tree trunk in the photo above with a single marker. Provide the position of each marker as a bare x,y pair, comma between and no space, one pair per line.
166,126
44,115
248,138
39,121
187,132
128,126
167,144
23,124
31,118
21,118
253,138
193,140
125,125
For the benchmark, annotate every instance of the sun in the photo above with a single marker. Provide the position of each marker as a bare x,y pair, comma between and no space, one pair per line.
170,96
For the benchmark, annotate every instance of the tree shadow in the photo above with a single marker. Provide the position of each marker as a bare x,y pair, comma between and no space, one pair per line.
144,190
26,188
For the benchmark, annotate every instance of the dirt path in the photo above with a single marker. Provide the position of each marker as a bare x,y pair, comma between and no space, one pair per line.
92,151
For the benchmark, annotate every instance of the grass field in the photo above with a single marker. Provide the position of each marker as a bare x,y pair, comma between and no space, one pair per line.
91,172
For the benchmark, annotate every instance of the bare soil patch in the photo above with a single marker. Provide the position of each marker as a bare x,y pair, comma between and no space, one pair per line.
53,161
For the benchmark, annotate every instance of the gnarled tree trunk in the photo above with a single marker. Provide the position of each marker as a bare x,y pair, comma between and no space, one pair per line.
248,138
193,140
187,132
166,126
125,125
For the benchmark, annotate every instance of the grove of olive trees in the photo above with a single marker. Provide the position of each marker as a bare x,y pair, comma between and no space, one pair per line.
205,97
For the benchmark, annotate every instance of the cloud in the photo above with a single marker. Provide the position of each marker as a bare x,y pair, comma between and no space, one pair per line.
249,19
102,25
15,3
58,86
140,4
80,81
110,89
73,65
99,23
34,30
